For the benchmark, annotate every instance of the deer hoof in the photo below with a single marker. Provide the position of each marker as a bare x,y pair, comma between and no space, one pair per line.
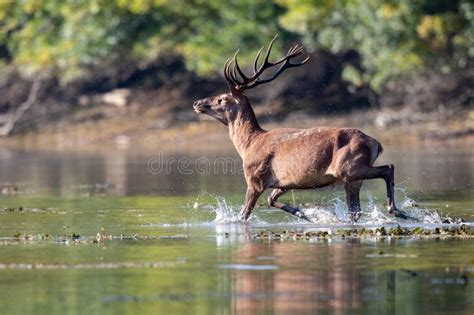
243,217
354,216
399,214
300,214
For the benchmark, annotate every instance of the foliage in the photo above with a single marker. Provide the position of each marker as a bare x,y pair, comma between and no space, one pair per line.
393,37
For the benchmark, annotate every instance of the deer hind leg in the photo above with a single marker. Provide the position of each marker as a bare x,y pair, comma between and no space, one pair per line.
272,202
386,172
352,196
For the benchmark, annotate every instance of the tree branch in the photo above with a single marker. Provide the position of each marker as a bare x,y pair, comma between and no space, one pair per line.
7,128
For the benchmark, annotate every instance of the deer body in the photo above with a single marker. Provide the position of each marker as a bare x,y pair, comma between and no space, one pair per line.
288,158
309,158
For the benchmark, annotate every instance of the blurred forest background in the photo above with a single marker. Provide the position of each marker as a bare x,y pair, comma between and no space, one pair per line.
96,70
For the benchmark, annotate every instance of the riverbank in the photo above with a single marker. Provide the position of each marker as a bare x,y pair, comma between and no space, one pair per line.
146,130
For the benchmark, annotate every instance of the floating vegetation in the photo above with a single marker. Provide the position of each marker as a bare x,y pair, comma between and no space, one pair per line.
112,265
462,231
21,209
74,238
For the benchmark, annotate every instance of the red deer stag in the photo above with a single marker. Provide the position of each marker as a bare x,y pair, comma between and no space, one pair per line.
284,159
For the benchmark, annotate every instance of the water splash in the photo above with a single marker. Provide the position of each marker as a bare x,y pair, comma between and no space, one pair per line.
335,212
375,213
224,212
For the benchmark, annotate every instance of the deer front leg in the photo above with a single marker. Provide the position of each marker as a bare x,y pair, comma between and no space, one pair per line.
272,202
251,197
352,197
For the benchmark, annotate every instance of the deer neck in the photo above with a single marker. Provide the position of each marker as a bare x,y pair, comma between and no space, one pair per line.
242,130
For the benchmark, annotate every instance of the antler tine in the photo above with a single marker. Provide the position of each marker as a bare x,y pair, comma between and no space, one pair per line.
267,55
255,63
287,64
265,63
258,71
294,51
238,79
234,75
304,61
291,50
228,73
226,65
241,73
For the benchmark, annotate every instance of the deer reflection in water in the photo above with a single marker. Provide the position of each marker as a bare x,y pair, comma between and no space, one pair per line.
299,284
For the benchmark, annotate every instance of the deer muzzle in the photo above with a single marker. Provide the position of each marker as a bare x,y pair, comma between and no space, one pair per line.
200,107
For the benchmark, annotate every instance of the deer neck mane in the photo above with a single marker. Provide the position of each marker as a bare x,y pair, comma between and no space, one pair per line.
243,128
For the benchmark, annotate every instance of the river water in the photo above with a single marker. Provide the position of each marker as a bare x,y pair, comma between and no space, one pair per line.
168,239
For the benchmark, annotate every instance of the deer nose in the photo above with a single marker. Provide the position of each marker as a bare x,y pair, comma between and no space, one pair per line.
197,105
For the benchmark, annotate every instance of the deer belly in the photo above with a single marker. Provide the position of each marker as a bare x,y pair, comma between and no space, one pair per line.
297,176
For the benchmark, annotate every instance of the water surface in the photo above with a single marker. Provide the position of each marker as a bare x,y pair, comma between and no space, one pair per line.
176,247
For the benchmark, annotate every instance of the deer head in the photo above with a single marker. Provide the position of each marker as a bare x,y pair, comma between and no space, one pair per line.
228,107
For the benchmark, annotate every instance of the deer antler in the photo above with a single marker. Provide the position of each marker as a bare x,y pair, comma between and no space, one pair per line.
240,81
